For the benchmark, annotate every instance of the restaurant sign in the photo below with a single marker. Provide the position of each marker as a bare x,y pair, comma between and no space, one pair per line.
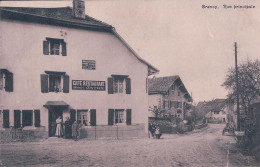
89,64
88,85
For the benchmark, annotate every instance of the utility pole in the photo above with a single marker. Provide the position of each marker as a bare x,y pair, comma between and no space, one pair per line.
237,90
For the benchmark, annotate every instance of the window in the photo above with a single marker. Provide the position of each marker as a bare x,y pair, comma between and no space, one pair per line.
82,117
119,84
52,46
6,80
27,117
179,111
52,82
173,87
119,116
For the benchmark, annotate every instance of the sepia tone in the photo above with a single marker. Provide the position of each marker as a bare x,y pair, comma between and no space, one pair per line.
140,83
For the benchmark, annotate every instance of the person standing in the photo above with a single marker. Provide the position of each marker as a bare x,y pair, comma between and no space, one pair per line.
59,131
67,128
75,131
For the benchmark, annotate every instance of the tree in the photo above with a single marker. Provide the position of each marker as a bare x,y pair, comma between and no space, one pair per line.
248,83
156,110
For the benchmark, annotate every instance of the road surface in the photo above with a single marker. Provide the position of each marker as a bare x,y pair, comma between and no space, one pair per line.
201,148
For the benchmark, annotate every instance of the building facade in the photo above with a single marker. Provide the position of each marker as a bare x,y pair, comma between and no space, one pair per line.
61,62
168,97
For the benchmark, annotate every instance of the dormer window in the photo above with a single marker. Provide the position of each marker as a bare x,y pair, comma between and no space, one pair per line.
53,46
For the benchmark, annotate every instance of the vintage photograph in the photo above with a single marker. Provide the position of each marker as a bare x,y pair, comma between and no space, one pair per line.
133,83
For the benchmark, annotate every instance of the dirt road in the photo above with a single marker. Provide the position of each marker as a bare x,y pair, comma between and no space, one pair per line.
206,147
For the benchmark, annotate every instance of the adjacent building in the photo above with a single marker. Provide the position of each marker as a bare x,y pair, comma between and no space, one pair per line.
168,97
62,62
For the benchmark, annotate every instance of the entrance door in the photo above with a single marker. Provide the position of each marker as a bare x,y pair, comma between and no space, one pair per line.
54,113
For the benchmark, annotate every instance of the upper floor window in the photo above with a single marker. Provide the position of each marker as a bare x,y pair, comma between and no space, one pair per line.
119,84
54,82
6,80
53,46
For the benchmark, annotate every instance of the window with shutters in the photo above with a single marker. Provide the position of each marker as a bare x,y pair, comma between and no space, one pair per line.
119,116
53,46
54,82
82,117
119,84
6,80
27,117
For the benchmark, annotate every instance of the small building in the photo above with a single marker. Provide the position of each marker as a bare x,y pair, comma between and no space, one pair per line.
168,97
216,110
62,62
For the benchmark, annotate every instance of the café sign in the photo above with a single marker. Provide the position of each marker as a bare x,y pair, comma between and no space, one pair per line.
89,64
88,85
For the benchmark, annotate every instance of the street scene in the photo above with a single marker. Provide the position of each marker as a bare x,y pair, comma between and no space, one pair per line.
205,147
129,83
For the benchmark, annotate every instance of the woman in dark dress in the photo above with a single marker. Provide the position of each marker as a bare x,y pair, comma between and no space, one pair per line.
68,128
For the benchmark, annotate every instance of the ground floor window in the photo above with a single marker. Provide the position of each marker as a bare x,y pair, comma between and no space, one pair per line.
119,116
82,117
27,117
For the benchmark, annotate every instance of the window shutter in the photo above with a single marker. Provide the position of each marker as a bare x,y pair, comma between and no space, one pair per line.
92,117
128,116
44,83
110,85
111,116
128,86
164,104
46,47
64,49
37,118
66,84
9,82
72,115
6,118
17,118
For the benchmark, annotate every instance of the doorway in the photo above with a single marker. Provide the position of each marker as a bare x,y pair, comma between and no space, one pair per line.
54,113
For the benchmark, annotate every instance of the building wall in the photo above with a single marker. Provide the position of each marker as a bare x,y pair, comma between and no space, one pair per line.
21,51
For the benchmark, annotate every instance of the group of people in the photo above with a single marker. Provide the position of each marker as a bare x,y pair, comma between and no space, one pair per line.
71,128
154,130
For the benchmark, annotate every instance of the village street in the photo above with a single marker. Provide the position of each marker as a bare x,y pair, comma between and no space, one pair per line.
205,147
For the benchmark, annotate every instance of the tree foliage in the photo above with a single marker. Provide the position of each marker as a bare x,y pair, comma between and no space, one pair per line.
248,82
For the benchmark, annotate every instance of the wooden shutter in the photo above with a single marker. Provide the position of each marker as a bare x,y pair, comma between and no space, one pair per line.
128,116
64,49
72,115
128,85
6,118
9,82
110,85
92,117
46,47
66,84
164,104
17,118
37,118
111,116
44,83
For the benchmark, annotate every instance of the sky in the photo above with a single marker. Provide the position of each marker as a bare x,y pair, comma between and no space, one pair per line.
180,37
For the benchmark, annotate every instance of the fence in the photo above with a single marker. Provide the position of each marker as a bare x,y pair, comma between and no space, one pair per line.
113,132
20,134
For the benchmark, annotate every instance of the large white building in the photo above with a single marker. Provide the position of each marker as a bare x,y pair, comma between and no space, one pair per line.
61,62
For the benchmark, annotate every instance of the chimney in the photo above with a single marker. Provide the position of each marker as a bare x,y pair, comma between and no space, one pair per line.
78,10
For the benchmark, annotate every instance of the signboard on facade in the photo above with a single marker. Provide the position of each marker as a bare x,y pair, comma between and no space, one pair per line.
88,85
89,64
